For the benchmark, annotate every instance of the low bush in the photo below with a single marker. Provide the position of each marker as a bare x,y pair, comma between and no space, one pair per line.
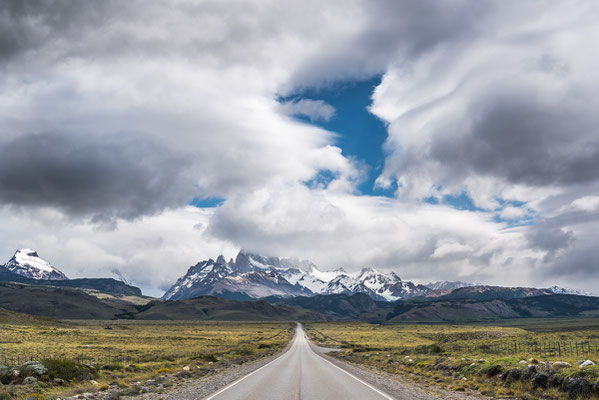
33,368
69,370
112,367
208,357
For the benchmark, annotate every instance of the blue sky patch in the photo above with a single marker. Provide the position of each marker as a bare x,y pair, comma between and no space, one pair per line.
361,134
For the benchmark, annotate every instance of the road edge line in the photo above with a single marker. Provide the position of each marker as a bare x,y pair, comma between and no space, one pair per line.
355,377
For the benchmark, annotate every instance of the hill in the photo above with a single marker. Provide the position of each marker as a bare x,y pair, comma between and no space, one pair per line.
337,307
107,285
465,310
58,302
214,308
12,317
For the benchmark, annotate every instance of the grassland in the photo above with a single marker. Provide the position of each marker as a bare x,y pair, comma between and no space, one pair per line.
478,358
122,352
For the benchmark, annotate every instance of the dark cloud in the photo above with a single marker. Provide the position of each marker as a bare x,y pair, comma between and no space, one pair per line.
578,267
28,25
521,138
100,176
395,32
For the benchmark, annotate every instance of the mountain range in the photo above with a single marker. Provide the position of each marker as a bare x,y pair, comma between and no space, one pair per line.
252,276
253,287
27,267
256,276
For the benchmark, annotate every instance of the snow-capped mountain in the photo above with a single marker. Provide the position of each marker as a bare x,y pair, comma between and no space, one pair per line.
380,286
449,285
259,276
27,263
561,290
218,277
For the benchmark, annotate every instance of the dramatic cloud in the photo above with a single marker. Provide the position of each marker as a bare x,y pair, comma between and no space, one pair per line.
118,114
106,177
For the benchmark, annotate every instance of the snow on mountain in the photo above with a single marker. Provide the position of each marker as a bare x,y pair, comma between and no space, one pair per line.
251,278
27,263
449,285
258,276
561,290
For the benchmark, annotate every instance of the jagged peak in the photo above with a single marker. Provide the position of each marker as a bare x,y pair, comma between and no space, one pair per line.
221,260
27,251
28,263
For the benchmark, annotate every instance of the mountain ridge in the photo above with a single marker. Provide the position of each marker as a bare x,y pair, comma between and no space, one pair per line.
26,262
259,276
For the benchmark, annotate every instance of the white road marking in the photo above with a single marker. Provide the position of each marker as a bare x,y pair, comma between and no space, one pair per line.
359,380
322,357
246,376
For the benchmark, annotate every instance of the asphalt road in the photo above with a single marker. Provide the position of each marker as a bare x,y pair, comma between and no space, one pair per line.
300,373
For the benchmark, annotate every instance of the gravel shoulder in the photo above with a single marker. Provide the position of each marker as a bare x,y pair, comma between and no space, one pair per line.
193,389
395,386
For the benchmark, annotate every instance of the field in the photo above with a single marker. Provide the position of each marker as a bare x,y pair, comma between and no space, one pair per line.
121,352
513,360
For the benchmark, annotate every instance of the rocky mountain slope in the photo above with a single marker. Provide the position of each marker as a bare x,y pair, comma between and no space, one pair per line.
469,309
27,267
27,263
256,276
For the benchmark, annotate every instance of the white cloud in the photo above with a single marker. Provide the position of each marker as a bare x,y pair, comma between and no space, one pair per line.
150,252
315,110
495,98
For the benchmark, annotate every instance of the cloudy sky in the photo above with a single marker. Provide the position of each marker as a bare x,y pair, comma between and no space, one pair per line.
439,139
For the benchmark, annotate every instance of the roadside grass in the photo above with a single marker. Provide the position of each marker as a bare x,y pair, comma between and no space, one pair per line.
435,355
118,354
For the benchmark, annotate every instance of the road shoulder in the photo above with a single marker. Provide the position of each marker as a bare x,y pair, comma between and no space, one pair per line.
395,386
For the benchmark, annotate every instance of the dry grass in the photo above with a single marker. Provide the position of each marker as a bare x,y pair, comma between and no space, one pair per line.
154,347
428,353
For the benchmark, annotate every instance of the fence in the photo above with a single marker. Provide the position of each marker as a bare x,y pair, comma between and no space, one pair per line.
544,348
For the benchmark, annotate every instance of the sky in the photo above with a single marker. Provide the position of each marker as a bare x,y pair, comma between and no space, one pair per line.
442,140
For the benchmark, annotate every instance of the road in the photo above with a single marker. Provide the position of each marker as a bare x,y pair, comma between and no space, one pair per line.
299,373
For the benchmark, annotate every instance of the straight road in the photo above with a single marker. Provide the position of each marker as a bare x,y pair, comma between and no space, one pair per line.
299,374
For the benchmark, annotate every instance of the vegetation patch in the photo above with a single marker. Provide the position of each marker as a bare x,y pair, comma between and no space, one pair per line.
70,358
481,359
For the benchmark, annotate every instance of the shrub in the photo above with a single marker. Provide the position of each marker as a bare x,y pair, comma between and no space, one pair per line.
209,357
6,375
131,391
540,380
493,370
69,370
577,387
436,349
33,368
112,367
246,351
515,374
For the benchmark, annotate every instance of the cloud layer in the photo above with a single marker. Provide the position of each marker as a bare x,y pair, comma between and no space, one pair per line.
115,115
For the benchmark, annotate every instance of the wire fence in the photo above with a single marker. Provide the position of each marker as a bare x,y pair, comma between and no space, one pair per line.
543,348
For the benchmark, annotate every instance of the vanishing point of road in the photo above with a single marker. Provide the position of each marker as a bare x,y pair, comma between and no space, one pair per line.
299,373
